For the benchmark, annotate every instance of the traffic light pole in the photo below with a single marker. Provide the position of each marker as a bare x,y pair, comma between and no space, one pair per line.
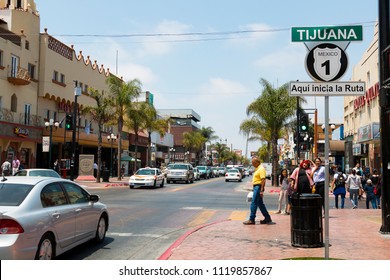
298,133
77,92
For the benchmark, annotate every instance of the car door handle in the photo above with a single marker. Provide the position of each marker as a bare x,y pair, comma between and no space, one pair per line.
56,215
78,210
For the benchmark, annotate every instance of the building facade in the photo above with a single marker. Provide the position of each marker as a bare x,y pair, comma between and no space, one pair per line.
362,113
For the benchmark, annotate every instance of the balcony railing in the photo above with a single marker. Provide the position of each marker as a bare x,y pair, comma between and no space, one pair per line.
31,120
19,76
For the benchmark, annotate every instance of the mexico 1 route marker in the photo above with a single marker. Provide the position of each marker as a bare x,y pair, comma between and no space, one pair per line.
326,62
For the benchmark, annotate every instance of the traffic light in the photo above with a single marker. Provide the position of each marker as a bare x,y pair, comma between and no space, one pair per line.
69,122
303,122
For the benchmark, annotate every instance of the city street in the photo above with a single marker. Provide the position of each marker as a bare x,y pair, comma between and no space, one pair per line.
145,222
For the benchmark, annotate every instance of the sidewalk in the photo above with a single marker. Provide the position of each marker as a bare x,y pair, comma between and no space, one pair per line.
353,235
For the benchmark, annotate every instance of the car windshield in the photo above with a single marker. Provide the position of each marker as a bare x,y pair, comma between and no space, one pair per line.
145,172
201,167
233,171
13,194
178,166
44,173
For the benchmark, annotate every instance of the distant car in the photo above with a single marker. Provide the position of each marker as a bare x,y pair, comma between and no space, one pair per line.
147,177
233,174
43,217
38,172
222,171
196,174
247,173
205,171
180,172
215,171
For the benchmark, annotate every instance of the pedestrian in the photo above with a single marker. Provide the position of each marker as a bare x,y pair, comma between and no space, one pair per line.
376,181
95,169
354,185
6,168
338,187
284,185
370,196
318,176
301,176
122,170
15,165
258,181
56,166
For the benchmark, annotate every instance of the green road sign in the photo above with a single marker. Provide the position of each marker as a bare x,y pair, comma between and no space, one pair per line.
327,33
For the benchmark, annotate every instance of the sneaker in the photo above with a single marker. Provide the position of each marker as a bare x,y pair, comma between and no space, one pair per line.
265,222
354,207
277,212
249,222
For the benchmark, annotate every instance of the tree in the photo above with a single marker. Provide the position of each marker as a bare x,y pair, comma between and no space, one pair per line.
269,113
194,140
123,94
209,134
102,113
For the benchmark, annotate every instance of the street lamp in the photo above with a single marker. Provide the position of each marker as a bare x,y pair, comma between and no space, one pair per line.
111,138
49,125
172,150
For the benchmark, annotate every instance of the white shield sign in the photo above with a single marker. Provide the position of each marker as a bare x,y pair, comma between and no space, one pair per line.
327,62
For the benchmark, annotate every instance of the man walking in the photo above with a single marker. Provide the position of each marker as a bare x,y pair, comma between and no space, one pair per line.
259,177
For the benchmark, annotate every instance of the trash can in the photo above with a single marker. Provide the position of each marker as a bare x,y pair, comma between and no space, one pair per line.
106,175
306,221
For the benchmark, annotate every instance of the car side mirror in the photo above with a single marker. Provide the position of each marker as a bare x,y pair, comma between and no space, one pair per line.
94,198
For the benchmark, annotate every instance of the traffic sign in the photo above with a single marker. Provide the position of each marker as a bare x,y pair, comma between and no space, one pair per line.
327,89
326,62
327,33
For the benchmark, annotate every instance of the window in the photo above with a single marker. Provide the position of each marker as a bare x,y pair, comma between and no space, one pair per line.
1,58
55,76
19,4
81,86
53,195
14,66
27,114
76,194
62,80
31,70
14,103
27,45
85,88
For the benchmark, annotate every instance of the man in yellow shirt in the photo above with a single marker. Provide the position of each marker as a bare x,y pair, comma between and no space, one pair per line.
259,177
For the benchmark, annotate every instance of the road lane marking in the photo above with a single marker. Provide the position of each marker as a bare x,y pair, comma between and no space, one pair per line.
129,234
201,218
238,215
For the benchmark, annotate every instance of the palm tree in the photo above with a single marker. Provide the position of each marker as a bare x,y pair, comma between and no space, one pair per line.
193,140
124,94
270,113
209,134
102,113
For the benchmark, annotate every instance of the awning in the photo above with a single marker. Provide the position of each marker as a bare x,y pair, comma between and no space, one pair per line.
128,158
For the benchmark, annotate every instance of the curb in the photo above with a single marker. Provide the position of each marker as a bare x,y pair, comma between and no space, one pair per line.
165,256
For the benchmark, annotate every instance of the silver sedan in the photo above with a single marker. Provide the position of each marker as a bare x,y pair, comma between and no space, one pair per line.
42,217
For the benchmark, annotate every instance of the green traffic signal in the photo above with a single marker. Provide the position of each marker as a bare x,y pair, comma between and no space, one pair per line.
69,122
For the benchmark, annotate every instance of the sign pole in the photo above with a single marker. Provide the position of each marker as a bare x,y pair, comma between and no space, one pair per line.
326,187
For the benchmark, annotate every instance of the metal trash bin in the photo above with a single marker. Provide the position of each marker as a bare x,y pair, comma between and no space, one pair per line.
106,175
306,221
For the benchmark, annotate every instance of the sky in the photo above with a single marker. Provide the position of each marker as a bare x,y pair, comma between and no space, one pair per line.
208,56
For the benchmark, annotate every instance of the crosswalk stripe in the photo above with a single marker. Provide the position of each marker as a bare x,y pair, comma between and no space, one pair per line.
201,218
238,215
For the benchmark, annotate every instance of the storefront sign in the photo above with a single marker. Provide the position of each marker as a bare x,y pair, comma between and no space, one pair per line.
45,144
371,94
21,132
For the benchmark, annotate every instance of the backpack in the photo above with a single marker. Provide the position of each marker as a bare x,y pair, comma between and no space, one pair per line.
340,181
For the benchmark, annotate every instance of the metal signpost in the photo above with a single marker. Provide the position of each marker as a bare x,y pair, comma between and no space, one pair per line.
326,62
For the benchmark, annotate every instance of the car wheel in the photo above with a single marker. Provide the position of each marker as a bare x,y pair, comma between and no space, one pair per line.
101,229
131,187
240,180
46,248
226,180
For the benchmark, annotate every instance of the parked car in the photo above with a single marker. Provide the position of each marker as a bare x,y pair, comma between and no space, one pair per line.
147,177
196,174
43,217
215,171
180,172
204,171
222,171
38,172
233,174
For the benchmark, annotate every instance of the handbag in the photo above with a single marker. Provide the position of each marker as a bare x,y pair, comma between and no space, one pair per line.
249,197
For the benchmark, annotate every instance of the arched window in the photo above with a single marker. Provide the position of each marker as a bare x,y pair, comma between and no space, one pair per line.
14,103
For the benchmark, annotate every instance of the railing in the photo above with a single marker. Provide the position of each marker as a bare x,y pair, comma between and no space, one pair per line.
32,120
19,76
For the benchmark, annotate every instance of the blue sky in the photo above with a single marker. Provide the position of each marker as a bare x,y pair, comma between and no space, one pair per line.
212,61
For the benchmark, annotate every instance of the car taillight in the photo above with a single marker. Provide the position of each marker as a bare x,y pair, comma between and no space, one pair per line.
8,226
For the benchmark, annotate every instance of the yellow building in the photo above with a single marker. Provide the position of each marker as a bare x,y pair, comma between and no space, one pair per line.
38,76
361,114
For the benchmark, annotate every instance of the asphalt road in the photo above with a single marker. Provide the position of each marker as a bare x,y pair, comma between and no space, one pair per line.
145,222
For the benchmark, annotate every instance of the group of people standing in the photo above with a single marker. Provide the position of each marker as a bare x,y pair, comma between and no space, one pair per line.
10,167
309,177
